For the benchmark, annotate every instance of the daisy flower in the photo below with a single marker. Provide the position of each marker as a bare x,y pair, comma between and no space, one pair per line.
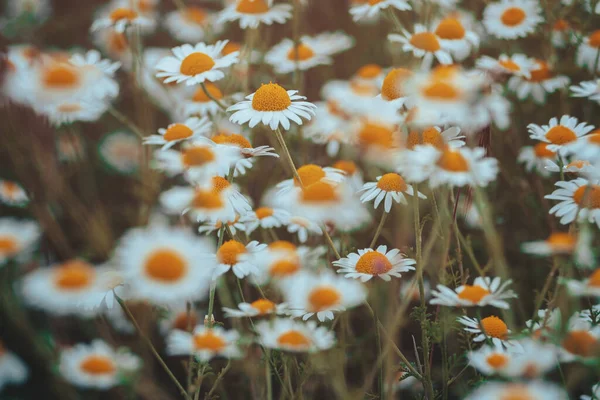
433,136
370,8
12,369
587,52
199,103
353,175
577,198
455,167
422,44
586,147
119,17
562,33
246,153
309,174
175,133
348,98
221,201
310,52
12,194
535,158
192,24
97,365
319,201
237,257
557,243
533,359
535,390
541,81
294,336
69,111
178,317
252,13
266,218
515,64
329,127
580,341
589,89
492,327
17,239
120,151
392,88
234,226
258,308
322,294
483,292
455,37
389,187
587,287
204,343
195,64
511,19
115,45
492,360
559,133
272,105
165,265
302,227
283,260
369,263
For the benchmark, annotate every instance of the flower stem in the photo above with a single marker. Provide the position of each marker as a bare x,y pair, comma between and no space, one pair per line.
210,96
379,228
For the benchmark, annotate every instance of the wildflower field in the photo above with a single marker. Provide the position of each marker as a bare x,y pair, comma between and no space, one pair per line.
300,199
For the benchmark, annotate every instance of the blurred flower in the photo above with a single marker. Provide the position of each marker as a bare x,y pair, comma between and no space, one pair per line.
535,390
516,64
119,16
240,258
535,157
578,198
12,194
204,343
559,133
455,37
289,335
12,369
252,13
581,340
192,24
258,308
587,287
369,8
18,239
266,218
121,151
589,89
484,291
587,52
423,44
175,133
303,226
541,81
557,243
511,19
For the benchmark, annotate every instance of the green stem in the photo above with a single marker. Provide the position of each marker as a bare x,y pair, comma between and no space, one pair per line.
379,228
213,98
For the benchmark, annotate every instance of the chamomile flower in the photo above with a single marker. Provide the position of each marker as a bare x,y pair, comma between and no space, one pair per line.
97,365
179,317
388,188
121,17
535,390
455,37
70,110
165,265
272,105
204,343
310,52
578,198
576,166
234,226
266,218
535,158
317,201
309,174
12,369
369,263
198,102
120,151
258,308
246,153
586,147
589,286
371,8
455,167
252,13
580,340
392,88
195,64
192,24
17,239
283,260
562,33
511,19
178,132
559,133
12,194
491,360
289,335
303,227
433,136
541,81
492,327
329,127
322,294
483,292
115,45
587,52
353,175
589,89
240,258
515,64
220,201
557,243
422,44
347,98
378,137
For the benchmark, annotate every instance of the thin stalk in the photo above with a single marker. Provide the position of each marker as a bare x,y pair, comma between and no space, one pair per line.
152,348
379,228
126,121
210,96
378,344
547,284
268,375
213,285
219,379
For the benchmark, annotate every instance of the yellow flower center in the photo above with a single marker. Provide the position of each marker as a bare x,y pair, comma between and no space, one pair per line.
541,73
165,265
578,164
284,267
263,212
595,39
123,13
473,293
263,306
230,251
391,88
271,97
561,25
561,135
177,132
309,174
303,53
117,42
347,166
373,134
373,263
373,2
197,156
282,245
98,365
60,76
196,63
430,136
561,241
233,139
439,90
207,199
219,184
323,298
425,41
494,327
587,196
252,6
496,360
594,279
541,151
209,341
580,343
212,89
8,245
513,16
74,275
230,47
294,339
391,183
69,107
517,392
182,322
195,15
363,89
509,65
369,71
319,192
452,160
450,28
